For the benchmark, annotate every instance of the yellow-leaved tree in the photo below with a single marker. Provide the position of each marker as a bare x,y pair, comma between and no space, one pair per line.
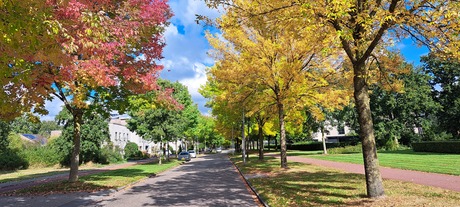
364,29
263,63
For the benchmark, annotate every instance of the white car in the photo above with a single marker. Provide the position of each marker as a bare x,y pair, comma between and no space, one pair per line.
192,153
219,150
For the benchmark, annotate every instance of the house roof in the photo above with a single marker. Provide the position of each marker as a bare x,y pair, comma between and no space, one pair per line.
35,138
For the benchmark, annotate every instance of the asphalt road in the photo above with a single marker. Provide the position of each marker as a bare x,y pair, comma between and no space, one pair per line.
209,180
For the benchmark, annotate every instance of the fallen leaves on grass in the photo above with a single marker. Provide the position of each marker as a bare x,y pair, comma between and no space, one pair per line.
63,187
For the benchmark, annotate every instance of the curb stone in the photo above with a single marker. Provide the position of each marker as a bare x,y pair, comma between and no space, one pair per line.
250,186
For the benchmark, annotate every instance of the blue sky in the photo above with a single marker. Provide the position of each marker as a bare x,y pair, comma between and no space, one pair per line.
185,54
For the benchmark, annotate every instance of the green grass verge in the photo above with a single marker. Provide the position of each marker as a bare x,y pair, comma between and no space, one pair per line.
402,159
100,181
18,175
309,185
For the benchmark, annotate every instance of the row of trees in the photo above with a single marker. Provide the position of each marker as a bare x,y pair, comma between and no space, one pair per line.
285,57
160,123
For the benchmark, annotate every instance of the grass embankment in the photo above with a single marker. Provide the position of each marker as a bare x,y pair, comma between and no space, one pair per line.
100,181
309,185
402,159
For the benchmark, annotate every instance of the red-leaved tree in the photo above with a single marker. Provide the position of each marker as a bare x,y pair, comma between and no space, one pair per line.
111,48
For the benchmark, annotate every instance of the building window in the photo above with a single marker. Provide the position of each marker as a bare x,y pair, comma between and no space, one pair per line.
115,136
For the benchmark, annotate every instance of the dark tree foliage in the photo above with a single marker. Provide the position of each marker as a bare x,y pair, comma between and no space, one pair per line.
400,116
132,150
157,125
4,132
162,124
446,91
95,131
47,126
25,125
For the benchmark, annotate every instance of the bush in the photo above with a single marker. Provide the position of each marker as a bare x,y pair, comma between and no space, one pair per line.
316,146
11,160
346,150
41,156
110,155
132,151
437,146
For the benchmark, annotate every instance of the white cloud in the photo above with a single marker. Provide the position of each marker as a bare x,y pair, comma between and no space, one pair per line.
185,53
186,12
195,82
53,107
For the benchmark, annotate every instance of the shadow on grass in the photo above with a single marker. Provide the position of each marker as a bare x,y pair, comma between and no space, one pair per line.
30,176
304,184
123,173
95,180
254,165
310,189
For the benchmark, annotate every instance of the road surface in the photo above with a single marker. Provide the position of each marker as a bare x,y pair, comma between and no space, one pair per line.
209,180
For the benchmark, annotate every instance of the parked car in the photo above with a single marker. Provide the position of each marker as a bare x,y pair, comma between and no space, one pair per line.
184,156
219,150
192,153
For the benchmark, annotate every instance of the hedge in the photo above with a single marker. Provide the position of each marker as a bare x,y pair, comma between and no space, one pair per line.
437,146
317,146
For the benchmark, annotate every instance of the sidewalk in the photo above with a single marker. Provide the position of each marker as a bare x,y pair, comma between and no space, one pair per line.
16,185
450,182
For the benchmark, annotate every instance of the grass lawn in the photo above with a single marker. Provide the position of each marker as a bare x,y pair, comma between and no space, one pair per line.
402,159
309,185
17,175
100,181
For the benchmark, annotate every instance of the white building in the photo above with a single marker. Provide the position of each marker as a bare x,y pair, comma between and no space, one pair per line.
120,135
332,133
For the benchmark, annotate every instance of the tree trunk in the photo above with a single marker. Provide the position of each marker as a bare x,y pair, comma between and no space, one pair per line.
162,152
243,140
371,163
248,143
261,142
324,139
268,143
283,136
75,157
276,144
177,149
167,151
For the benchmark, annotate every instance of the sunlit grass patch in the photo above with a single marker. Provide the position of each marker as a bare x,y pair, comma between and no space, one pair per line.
18,175
100,181
403,159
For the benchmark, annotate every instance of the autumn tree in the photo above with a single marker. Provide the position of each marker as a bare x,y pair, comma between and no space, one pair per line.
271,64
364,29
28,39
96,54
227,119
